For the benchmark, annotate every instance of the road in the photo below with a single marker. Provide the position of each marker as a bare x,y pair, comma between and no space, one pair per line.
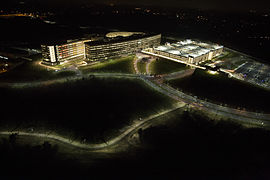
65,79
139,57
148,65
162,88
178,75
258,119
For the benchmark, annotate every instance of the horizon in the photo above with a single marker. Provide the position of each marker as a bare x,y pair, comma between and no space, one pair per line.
224,6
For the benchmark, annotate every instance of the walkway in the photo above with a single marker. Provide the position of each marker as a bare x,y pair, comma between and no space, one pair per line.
132,129
259,119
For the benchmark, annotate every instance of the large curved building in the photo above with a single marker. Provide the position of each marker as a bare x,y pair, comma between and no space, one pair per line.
120,43
113,45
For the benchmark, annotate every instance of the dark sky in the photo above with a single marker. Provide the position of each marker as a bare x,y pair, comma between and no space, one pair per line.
225,5
229,5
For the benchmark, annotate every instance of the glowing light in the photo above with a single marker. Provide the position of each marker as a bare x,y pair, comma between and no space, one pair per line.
212,72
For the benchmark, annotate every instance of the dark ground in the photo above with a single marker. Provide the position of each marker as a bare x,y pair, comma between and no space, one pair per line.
221,89
92,109
195,148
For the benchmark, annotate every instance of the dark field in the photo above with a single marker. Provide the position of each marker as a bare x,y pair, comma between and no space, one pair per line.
193,148
220,89
32,71
118,65
141,67
164,66
91,109
196,148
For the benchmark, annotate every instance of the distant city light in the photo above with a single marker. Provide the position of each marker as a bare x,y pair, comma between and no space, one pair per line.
3,57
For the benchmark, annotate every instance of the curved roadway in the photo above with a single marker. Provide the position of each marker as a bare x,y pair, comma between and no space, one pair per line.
131,130
262,120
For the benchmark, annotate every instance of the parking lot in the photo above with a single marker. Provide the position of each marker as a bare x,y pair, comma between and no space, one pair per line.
255,72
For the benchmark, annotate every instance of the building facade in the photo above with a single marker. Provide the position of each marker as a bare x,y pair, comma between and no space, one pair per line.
95,51
114,45
188,51
55,54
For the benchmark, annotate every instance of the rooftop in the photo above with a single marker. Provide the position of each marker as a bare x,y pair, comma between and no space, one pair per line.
118,39
123,34
188,48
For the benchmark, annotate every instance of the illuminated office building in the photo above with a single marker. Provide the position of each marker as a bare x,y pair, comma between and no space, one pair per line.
54,54
187,51
120,44
113,45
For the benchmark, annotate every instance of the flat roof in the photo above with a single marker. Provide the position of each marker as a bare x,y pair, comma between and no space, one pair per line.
119,39
163,48
188,48
184,42
120,33
176,52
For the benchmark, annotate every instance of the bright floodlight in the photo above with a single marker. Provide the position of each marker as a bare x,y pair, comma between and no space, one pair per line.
162,48
174,52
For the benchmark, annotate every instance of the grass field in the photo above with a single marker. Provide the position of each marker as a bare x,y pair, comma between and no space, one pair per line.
121,65
141,67
70,62
221,89
92,109
31,71
163,66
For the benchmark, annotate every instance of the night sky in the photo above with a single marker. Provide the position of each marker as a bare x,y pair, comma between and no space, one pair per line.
223,5
227,5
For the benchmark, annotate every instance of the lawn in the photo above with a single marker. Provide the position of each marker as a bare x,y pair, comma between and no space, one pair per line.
92,109
32,71
120,65
141,67
70,62
221,89
164,66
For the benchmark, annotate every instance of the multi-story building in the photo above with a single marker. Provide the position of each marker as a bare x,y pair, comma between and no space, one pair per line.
188,51
115,44
54,54
120,45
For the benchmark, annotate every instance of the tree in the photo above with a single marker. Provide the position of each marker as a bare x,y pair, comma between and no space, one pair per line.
12,138
140,132
46,146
